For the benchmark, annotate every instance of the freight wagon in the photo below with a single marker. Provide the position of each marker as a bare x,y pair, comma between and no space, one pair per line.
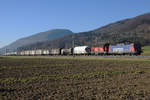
11,54
46,52
22,53
27,53
67,51
32,52
55,52
97,51
38,52
82,50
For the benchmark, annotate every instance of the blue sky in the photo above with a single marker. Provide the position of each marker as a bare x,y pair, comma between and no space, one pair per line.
21,18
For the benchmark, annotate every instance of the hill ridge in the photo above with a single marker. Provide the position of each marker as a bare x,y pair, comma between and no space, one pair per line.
136,29
35,38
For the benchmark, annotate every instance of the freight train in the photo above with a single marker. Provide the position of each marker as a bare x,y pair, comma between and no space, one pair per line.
107,49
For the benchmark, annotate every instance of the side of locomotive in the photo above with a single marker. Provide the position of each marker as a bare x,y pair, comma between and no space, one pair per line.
122,49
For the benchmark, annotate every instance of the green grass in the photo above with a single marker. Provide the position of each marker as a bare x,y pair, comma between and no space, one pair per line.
101,58
146,51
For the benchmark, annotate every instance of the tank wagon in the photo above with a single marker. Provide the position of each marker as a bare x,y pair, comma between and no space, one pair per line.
107,49
82,50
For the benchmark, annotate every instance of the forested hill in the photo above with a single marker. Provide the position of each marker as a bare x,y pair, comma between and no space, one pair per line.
39,37
135,29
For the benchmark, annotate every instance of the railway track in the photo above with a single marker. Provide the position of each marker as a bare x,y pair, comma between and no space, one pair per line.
83,56
104,56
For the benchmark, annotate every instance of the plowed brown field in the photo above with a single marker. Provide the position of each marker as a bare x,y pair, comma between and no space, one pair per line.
74,79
